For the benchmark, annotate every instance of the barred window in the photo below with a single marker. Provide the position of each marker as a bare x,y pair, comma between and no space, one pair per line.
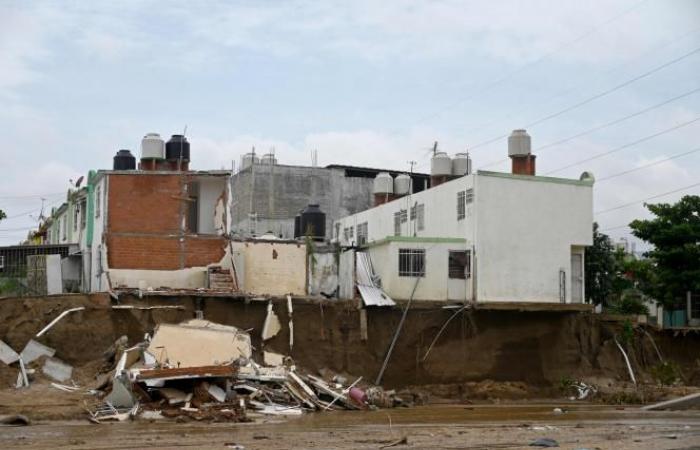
459,265
349,233
461,206
404,215
76,216
98,201
411,262
362,233
469,197
397,223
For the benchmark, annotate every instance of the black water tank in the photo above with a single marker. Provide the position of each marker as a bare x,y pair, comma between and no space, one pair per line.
313,222
175,145
124,160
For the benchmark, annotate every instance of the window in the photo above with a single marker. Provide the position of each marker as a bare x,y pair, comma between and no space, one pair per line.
2,262
349,233
461,206
76,214
83,213
404,215
397,223
469,197
459,265
420,217
362,233
411,262
98,201
64,227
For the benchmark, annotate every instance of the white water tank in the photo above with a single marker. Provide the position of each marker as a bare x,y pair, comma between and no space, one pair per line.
152,146
440,164
269,159
461,164
402,184
383,183
519,143
248,160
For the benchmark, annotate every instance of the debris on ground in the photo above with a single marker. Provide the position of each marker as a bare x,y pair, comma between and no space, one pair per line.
685,402
201,370
544,442
14,420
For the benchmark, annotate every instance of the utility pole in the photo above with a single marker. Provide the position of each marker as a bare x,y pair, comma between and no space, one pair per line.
412,163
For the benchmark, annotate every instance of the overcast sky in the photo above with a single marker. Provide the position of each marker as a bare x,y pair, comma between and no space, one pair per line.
364,83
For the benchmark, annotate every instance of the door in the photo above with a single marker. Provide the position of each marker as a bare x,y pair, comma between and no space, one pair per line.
458,274
576,278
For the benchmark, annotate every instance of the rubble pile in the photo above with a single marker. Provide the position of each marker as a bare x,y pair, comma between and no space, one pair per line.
201,370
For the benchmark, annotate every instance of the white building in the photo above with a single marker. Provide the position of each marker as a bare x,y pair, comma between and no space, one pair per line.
483,237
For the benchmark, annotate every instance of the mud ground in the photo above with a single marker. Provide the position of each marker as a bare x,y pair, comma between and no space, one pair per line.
435,427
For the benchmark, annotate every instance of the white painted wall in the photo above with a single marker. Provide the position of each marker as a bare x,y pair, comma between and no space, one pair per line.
99,255
212,193
525,232
521,230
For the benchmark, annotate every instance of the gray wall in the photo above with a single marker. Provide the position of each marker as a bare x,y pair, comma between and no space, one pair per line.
277,193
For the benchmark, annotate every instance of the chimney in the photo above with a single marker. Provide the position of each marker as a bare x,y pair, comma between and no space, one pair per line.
519,151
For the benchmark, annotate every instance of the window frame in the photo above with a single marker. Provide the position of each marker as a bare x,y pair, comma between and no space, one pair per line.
362,233
98,201
461,272
461,205
412,262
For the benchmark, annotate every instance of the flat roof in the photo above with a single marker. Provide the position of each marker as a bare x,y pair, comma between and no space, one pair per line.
579,182
204,173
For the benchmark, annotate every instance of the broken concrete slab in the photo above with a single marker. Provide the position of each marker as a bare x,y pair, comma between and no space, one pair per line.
35,350
686,402
273,359
198,343
121,395
7,354
272,325
216,392
56,369
174,396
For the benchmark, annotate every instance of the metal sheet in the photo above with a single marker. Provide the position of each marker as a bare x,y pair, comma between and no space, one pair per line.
373,296
371,293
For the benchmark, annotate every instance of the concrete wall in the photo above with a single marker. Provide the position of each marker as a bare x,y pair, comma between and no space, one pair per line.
192,278
277,193
271,268
323,274
526,227
433,286
522,231
212,197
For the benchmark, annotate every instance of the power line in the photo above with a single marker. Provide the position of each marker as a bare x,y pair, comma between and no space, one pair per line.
695,150
646,199
509,75
622,147
53,194
615,228
612,70
605,125
593,98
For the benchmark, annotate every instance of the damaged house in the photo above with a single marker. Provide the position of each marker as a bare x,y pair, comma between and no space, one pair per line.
484,236
160,225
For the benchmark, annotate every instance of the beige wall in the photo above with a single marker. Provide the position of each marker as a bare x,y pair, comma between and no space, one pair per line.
271,268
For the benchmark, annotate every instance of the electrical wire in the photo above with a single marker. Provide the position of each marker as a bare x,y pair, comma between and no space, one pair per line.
509,75
52,194
695,150
646,199
593,98
603,126
622,147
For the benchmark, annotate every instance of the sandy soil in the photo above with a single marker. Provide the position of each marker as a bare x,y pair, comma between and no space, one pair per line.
440,427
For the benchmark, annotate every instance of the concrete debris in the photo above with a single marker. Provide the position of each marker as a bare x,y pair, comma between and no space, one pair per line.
197,343
35,350
272,324
202,370
7,354
66,388
57,370
15,420
686,402
290,312
544,442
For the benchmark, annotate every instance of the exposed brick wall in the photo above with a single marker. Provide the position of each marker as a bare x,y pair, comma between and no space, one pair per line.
162,253
144,203
143,226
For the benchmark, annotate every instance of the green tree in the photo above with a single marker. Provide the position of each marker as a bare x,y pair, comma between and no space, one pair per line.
674,233
600,267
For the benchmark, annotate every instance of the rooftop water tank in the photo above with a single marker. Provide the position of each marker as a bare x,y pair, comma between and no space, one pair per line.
152,146
269,159
519,143
402,184
440,164
248,160
461,164
124,160
313,222
177,148
383,183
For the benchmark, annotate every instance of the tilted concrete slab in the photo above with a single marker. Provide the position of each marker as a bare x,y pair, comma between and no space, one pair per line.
687,402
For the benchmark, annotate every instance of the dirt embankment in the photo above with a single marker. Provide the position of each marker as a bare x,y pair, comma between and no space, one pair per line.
479,355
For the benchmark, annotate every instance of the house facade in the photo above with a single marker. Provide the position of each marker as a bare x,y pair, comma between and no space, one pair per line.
485,237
